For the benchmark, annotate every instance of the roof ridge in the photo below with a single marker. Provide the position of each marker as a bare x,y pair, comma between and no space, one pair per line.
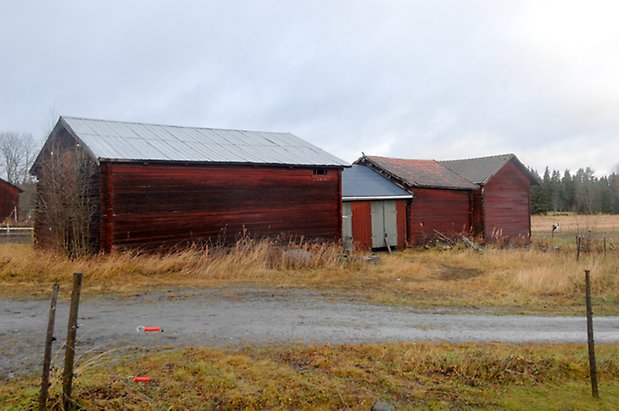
142,123
401,158
479,158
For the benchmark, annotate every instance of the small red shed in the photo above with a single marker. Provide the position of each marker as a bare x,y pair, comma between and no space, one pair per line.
373,210
9,200
156,186
441,198
502,203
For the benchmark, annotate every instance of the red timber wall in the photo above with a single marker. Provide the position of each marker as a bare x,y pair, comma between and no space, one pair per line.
446,211
477,214
401,222
151,206
507,213
362,224
9,199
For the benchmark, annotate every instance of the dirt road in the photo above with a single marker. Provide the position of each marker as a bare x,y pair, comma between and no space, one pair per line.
235,317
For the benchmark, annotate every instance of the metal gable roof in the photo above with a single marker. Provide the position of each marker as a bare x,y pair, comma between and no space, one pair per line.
481,170
362,183
420,173
124,141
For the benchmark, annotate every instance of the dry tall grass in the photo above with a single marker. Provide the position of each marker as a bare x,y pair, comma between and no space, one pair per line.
25,269
537,279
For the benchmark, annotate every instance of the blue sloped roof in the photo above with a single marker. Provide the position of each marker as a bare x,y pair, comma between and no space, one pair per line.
362,183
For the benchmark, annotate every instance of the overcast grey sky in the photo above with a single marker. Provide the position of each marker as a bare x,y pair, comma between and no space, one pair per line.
438,79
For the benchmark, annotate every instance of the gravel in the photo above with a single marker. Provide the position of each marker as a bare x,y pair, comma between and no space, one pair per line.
238,317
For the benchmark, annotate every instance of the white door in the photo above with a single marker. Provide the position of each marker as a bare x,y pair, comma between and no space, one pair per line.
347,225
391,222
384,224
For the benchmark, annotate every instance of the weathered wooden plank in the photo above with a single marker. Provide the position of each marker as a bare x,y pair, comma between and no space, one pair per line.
362,224
153,205
506,205
446,211
401,223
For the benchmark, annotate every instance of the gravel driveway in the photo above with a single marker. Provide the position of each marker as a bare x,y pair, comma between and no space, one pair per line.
235,317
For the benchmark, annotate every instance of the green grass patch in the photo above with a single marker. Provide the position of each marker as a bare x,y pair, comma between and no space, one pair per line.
406,375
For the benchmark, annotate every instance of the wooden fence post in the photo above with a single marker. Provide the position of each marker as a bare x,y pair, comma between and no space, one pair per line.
578,241
47,356
590,341
67,376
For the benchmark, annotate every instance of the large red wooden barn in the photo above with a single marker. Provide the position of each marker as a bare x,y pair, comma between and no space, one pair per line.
502,204
9,200
156,186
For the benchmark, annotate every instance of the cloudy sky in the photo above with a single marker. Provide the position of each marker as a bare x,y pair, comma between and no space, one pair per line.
438,79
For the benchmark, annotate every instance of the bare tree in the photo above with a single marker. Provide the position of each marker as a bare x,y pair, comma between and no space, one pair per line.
66,200
17,153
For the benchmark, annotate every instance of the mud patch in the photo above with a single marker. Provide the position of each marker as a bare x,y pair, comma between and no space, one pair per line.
452,273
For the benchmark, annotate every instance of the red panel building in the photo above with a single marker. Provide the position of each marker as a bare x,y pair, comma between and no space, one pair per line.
486,197
159,186
502,203
9,200
441,198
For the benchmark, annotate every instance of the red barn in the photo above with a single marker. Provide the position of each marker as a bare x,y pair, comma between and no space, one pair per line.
441,198
501,204
9,200
157,186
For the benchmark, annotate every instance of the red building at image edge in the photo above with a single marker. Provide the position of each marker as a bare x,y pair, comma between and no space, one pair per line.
9,201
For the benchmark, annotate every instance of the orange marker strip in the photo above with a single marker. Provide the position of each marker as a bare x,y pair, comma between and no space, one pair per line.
142,329
152,329
141,379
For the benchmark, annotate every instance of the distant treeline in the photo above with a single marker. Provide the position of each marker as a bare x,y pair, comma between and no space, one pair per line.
582,192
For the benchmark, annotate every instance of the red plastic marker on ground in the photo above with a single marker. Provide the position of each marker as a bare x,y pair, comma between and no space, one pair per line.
142,329
141,379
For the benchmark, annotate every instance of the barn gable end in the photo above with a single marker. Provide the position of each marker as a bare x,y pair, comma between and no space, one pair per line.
501,206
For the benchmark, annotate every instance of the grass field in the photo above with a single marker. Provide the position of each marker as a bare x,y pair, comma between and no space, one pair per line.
542,278
406,375
574,224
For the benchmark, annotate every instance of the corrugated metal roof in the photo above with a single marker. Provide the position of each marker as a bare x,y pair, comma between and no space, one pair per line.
360,182
420,173
123,141
481,170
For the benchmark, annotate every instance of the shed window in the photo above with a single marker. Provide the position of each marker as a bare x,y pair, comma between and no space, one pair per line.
320,172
